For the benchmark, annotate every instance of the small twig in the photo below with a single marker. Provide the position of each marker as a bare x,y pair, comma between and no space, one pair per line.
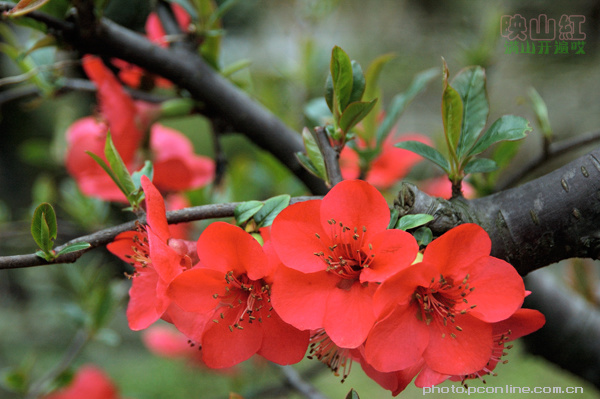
103,237
330,156
305,388
551,150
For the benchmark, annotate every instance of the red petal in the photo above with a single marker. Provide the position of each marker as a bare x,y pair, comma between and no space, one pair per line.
123,245
458,248
282,343
222,347
156,215
193,289
498,290
397,341
523,322
299,298
225,247
355,203
165,260
428,378
467,353
294,236
191,324
142,307
89,382
394,250
393,381
349,315
117,107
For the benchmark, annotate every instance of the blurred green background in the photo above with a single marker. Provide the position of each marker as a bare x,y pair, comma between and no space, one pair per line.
288,44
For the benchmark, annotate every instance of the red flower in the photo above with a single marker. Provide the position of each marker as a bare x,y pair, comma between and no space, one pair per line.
440,310
157,259
90,383
392,165
176,167
232,288
333,250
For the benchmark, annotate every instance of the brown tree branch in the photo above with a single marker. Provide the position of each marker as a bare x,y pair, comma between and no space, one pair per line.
103,237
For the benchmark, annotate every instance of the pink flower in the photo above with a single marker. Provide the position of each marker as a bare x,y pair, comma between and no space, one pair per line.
90,383
442,187
176,167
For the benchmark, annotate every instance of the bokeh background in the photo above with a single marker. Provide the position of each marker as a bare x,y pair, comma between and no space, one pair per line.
288,45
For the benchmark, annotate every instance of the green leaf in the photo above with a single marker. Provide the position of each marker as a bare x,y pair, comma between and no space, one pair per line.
329,92
423,236
358,82
343,77
24,7
264,217
480,165
401,101
49,256
507,127
107,169
314,153
426,152
394,214
354,113
470,85
372,90
15,380
352,394
147,170
452,114
307,164
244,211
541,113
43,226
408,222
118,166
73,248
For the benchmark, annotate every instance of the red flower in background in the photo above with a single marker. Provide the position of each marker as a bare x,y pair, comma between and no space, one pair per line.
157,259
442,187
392,165
232,288
440,310
176,167
131,74
332,249
90,383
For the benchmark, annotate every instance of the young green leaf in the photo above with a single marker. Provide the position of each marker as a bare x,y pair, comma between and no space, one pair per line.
541,113
426,152
329,92
372,90
400,102
44,227
343,77
480,165
307,164
358,82
452,115
354,113
147,170
507,127
107,169
408,222
264,217
352,395
423,236
313,153
470,85
244,211
118,166
73,248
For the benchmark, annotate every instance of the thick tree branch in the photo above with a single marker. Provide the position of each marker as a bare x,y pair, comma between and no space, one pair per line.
552,218
103,237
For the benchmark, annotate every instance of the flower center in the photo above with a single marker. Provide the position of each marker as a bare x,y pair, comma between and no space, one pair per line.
323,349
437,302
346,256
247,298
141,251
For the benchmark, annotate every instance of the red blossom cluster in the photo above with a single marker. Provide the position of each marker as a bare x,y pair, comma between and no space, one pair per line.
331,278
